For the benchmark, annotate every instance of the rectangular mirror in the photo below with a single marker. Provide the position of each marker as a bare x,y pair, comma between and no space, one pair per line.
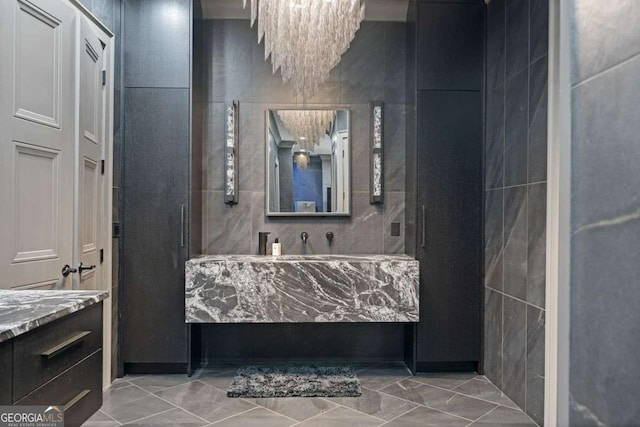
308,163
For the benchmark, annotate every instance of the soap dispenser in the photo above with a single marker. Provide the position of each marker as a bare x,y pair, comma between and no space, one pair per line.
276,248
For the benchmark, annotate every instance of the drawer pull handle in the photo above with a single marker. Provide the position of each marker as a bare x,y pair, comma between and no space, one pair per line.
76,399
65,345
424,226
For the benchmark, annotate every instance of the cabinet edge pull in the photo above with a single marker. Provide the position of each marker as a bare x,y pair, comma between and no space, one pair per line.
65,345
182,215
76,399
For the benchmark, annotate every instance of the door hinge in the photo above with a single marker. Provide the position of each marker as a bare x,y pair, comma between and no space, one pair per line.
104,77
101,256
101,167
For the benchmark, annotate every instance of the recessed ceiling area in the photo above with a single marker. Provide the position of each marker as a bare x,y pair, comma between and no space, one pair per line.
375,10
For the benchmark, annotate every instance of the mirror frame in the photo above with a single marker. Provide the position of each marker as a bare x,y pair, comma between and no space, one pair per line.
266,167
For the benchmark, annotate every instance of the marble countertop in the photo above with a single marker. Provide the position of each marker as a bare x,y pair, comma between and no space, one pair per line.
302,289
298,258
22,311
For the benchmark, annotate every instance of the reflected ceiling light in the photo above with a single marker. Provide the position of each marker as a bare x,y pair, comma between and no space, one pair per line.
306,38
307,127
301,159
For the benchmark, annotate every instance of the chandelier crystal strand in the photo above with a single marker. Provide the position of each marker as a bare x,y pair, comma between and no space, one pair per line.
307,127
306,38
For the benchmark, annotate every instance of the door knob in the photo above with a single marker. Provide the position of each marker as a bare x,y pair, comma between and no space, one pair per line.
82,267
66,270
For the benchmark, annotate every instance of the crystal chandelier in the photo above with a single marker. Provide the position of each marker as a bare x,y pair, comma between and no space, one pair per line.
306,38
307,127
301,159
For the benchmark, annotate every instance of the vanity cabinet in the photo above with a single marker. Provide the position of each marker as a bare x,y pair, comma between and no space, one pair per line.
6,369
59,363
447,207
48,351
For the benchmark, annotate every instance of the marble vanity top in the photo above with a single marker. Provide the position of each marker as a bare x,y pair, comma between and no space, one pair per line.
297,258
22,311
301,288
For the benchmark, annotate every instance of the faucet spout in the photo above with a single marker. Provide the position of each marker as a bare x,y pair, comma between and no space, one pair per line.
304,236
262,242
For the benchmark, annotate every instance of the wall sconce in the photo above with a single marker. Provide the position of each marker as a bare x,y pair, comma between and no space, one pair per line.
376,178
231,130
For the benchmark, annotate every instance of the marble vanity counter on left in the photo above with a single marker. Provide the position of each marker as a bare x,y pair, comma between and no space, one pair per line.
24,310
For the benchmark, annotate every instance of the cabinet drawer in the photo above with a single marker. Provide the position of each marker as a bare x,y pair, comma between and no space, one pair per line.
51,349
79,390
6,368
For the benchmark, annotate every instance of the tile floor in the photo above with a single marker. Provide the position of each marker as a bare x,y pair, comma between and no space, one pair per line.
390,397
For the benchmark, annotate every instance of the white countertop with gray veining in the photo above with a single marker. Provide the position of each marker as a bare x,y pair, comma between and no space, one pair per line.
302,289
22,311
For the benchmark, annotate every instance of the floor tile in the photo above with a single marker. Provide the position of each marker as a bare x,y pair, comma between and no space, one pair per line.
503,416
376,404
114,397
298,408
421,416
219,379
258,417
440,399
136,409
445,380
341,417
153,383
483,389
204,401
100,419
175,417
375,378
132,405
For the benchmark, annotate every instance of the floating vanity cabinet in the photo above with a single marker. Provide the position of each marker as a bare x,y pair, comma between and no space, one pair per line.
51,350
448,176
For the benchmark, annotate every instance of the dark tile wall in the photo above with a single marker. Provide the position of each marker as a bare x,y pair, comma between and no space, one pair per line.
515,199
108,12
605,213
234,68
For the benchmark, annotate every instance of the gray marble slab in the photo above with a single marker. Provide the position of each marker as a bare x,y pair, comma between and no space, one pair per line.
309,288
22,311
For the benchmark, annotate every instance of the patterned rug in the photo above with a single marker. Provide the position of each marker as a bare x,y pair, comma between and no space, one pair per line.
295,381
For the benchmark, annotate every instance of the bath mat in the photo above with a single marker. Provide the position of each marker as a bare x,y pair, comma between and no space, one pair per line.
295,381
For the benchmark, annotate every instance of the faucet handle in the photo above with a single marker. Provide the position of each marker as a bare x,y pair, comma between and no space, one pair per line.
329,237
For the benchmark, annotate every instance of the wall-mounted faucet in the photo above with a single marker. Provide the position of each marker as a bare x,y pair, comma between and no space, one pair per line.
262,242
304,236
329,237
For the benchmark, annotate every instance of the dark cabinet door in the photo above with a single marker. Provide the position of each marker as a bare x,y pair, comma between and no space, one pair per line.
449,226
156,173
6,372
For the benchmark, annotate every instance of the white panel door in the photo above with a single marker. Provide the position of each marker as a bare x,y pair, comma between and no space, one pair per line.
90,153
37,87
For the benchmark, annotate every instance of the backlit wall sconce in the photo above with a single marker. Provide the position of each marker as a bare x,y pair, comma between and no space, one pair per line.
231,130
376,178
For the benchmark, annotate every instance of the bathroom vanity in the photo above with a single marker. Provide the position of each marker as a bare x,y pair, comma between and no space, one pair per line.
292,288
51,350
